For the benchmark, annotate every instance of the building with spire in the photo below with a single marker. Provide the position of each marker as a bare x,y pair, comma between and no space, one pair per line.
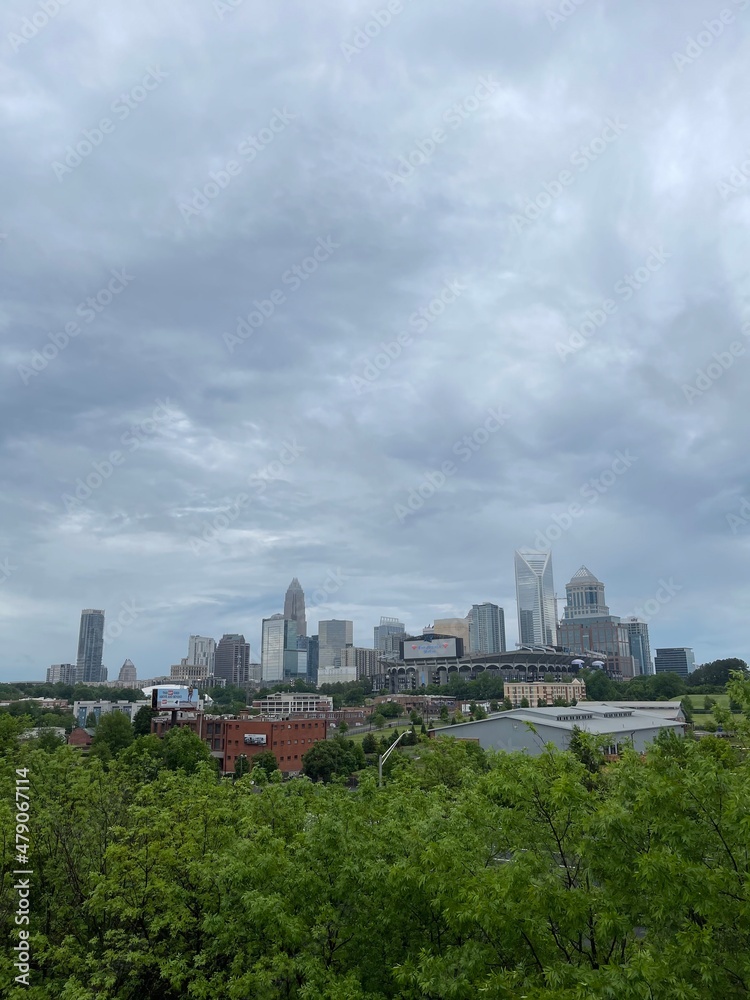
294,606
128,675
535,598
587,626
584,596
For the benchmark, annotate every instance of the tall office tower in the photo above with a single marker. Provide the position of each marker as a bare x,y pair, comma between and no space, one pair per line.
677,660
294,606
333,636
640,647
487,628
312,659
605,635
585,596
455,626
363,660
128,675
384,634
61,673
90,646
202,652
232,659
535,597
279,657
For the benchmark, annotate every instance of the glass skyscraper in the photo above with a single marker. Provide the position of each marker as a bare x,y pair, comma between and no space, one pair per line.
535,598
387,634
90,647
294,606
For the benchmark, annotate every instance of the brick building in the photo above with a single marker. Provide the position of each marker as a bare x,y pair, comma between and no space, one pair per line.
228,738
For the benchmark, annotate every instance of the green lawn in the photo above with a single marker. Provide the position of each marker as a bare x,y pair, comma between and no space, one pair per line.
696,700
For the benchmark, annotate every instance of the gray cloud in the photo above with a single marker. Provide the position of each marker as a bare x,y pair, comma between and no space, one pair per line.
328,174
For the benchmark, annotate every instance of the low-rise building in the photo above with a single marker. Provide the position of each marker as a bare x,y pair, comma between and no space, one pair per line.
81,737
288,703
545,692
229,737
82,709
531,729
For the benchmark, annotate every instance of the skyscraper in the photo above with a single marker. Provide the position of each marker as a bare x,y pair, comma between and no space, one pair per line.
201,652
333,636
460,627
676,660
384,633
294,606
90,647
584,596
487,628
279,657
128,675
535,597
61,673
640,647
232,658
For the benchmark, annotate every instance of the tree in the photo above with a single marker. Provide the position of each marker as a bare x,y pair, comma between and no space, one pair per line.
184,750
327,759
369,743
49,741
113,734
144,757
241,766
343,727
92,721
390,709
265,761
524,702
717,672
687,709
507,704
443,713
142,720
378,720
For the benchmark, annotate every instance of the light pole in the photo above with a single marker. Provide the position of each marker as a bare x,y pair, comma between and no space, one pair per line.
384,757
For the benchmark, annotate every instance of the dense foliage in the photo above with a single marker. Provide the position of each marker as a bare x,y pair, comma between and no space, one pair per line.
467,875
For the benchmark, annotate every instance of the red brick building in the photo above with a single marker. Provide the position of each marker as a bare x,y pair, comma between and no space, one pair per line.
81,737
228,738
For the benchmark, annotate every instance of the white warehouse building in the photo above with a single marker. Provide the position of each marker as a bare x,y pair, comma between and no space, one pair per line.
513,730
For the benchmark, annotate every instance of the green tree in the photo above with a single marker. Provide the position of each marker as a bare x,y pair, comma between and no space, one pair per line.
443,715
343,727
338,757
369,743
142,720
113,734
92,721
717,672
524,702
378,720
185,751
265,761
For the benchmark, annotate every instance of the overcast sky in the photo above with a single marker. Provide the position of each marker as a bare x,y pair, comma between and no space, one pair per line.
258,198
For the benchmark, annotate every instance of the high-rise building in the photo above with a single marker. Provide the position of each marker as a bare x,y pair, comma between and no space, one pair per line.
486,628
364,661
280,658
294,606
61,673
333,636
535,597
676,660
312,659
605,635
232,659
640,647
90,646
202,652
454,626
387,633
585,596
128,675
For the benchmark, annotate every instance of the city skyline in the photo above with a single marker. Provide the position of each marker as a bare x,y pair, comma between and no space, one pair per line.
201,647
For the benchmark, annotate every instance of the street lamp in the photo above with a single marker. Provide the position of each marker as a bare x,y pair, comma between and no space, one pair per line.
384,757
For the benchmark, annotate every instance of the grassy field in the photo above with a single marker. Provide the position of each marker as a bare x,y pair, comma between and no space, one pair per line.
358,733
696,700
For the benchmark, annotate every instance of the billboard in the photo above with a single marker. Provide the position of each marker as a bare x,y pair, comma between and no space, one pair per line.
174,698
429,649
256,739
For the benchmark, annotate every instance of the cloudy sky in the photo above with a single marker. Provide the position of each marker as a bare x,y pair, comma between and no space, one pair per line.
293,290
